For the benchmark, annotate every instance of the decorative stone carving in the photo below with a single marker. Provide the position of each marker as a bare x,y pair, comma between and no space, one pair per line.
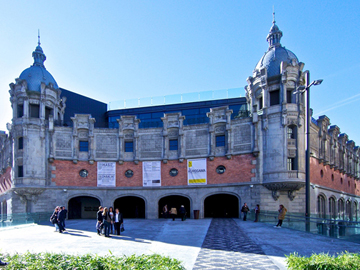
290,187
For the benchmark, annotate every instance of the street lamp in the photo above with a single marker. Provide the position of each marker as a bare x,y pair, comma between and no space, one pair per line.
302,89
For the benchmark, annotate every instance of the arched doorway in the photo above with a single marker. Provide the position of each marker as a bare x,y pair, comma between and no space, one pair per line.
83,207
221,206
131,206
174,201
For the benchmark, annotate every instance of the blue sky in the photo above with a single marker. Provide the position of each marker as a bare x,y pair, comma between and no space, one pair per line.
113,50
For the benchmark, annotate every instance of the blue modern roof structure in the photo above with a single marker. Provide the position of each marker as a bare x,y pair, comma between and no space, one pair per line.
275,53
37,73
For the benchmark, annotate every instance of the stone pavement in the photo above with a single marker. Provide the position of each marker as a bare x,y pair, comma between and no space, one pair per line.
199,244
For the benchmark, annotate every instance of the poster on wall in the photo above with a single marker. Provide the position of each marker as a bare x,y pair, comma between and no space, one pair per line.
106,174
151,173
196,169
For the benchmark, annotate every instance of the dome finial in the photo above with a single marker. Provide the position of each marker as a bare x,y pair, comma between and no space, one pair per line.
274,15
39,37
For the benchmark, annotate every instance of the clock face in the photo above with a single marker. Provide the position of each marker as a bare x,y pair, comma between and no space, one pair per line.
83,173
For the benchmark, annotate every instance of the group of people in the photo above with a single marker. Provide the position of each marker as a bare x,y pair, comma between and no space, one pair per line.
282,212
109,221
58,218
173,212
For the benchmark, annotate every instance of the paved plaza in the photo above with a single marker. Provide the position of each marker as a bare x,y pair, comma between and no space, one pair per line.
199,244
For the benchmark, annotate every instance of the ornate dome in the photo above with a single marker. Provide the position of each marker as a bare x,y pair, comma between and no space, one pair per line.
37,73
275,53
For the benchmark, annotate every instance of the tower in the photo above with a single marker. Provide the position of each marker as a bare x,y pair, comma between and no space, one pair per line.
278,118
36,104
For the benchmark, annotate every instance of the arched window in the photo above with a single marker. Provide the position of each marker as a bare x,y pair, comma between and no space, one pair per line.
332,206
341,209
321,206
291,132
355,211
348,210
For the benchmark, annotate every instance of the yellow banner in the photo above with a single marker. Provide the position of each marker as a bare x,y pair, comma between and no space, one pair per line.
196,181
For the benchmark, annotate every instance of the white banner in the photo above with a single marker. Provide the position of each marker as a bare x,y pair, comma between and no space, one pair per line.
151,173
106,174
196,171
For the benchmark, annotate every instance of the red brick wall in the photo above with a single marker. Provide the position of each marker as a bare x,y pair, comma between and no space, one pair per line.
5,180
349,184
238,169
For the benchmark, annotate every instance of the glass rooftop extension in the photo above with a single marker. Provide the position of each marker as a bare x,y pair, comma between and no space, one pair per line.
175,99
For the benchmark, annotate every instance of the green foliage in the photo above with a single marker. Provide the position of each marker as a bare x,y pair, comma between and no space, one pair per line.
52,261
344,261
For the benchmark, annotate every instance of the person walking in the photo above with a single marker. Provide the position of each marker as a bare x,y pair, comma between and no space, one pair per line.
257,212
64,214
99,220
282,212
111,214
54,218
173,213
61,218
165,211
118,220
106,222
245,209
182,212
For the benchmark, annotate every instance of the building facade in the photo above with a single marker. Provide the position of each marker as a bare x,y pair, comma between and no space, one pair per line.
209,156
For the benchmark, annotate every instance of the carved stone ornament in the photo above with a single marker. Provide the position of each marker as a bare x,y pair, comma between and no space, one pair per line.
290,187
27,194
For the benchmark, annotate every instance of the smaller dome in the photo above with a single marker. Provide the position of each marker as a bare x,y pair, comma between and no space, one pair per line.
37,73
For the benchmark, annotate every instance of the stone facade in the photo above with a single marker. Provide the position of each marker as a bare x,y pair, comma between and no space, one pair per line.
260,160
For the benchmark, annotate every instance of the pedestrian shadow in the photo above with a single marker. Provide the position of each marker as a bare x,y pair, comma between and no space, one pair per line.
75,234
128,238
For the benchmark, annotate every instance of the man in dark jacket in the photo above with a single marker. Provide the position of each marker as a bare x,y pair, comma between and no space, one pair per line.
99,220
61,218
65,214
245,209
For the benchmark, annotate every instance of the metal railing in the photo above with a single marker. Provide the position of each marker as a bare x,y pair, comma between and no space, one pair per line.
332,227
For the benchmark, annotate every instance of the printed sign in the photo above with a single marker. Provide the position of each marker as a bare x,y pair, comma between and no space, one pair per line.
106,174
151,173
196,169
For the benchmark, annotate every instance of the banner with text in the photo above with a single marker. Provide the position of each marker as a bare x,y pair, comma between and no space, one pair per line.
106,174
196,169
151,173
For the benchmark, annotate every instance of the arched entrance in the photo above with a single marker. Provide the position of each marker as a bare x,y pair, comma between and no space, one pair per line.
221,206
131,206
174,201
83,207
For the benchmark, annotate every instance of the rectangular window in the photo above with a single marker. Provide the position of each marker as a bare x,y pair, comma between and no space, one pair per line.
260,103
291,164
220,140
83,146
48,112
129,146
20,110
21,143
20,171
289,96
34,111
173,144
274,97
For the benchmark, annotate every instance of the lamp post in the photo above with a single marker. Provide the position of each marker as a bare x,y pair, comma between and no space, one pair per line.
302,89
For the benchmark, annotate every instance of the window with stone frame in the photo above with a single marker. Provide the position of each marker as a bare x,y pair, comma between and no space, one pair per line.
48,112
321,206
291,164
20,110
34,111
260,103
341,209
83,146
332,208
173,145
129,146
290,98
291,132
21,143
274,97
21,171
220,140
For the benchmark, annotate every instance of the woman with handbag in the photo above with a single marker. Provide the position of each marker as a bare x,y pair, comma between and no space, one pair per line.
54,218
106,222
118,221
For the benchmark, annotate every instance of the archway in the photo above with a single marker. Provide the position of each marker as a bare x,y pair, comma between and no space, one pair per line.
221,206
83,207
174,201
131,206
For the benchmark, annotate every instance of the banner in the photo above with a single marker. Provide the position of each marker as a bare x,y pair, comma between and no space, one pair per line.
151,173
106,174
196,169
